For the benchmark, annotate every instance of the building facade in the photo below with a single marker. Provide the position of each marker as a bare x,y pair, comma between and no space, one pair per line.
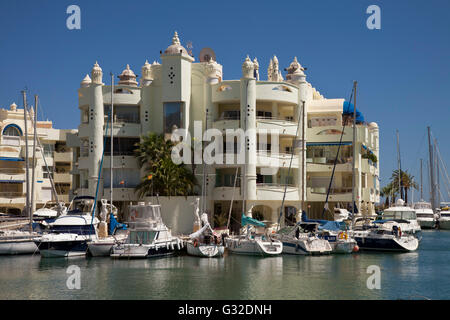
12,161
179,92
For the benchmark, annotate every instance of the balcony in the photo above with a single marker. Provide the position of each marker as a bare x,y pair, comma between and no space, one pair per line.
14,197
271,159
62,156
321,165
12,174
226,91
283,126
277,91
8,151
336,194
62,177
273,191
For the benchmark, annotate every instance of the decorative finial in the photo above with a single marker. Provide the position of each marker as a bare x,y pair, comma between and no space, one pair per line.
96,74
247,68
175,39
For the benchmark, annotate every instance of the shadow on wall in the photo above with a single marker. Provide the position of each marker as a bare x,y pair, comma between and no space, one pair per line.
177,213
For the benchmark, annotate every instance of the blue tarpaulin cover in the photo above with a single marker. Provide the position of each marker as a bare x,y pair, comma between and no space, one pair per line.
325,224
247,220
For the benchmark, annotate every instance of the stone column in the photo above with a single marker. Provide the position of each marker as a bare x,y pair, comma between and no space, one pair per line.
248,123
96,123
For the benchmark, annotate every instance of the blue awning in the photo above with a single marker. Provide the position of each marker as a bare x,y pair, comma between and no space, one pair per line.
348,109
311,144
11,159
12,181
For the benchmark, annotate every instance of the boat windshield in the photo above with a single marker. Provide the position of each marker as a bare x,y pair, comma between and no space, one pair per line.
405,215
141,237
422,205
79,206
446,214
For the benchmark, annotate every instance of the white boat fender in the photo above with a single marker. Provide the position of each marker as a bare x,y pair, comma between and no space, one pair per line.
171,246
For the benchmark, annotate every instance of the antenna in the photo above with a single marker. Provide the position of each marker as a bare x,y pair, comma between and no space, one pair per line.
207,54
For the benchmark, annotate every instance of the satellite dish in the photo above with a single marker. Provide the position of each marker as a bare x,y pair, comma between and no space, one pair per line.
206,54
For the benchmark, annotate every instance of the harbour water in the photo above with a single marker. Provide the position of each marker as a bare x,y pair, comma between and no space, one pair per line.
424,274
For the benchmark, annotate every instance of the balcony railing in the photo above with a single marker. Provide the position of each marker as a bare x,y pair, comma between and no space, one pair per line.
11,194
323,190
12,171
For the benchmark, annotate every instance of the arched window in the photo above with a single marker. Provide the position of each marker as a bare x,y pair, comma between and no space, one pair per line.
12,130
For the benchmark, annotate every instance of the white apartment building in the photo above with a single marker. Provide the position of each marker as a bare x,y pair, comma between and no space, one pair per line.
179,91
12,161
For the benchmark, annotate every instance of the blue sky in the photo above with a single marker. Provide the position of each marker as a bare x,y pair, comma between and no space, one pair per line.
402,70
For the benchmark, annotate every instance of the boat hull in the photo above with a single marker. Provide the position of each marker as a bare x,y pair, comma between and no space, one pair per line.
205,250
18,247
444,224
302,247
129,251
100,249
426,223
387,244
55,249
255,247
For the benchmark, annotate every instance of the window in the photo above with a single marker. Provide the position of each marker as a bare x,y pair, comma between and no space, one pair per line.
173,116
122,146
12,130
123,113
49,149
46,174
11,135
264,114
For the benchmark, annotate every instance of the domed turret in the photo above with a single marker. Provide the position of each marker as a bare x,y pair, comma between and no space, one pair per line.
127,77
295,72
13,106
86,82
175,47
96,74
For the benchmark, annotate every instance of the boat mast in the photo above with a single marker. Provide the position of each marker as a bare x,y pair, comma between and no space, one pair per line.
354,154
303,156
421,181
437,173
203,171
112,143
399,169
432,186
33,181
27,196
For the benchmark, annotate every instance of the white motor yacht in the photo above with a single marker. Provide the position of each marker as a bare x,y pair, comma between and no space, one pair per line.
70,233
425,215
444,218
402,212
148,235
385,236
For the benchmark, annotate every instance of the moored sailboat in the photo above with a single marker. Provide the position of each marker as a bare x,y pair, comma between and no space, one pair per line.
252,241
204,242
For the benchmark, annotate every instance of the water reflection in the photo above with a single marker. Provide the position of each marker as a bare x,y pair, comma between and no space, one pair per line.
424,273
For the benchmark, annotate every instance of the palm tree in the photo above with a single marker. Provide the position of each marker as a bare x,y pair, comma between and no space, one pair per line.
406,180
162,176
387,191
